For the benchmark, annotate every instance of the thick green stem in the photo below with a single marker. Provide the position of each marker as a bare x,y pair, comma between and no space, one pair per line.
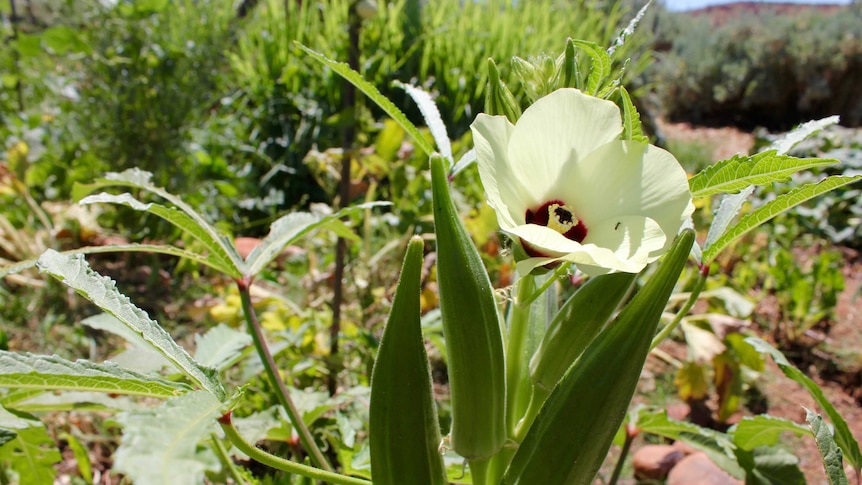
560,271
518,385
273,461
537,399
254,328
225,460
517,361
692,298
479,471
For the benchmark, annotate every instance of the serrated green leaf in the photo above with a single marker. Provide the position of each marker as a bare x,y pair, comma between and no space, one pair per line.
739,172
843,436
220,346
762,430
84,401
32,453
600,65
31,371
373,94
631,118
160,445
142,180
629,30
145,358
432,118
119,248
829,451
718,446
76,273
218,256
772,208
773,466
802,132
728,208
291,227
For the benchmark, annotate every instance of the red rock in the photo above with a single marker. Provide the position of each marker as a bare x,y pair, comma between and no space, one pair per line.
698,469
653,462
678,412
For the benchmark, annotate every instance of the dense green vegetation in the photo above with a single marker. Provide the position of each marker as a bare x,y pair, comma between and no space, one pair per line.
760,65
234,119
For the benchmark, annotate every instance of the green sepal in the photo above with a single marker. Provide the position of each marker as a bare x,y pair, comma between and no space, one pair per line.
471,327
404,432
580,319
570,70
499,100
570,437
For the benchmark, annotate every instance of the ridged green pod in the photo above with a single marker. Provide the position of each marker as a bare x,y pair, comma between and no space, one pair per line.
404,432
471,326
575,325
570,437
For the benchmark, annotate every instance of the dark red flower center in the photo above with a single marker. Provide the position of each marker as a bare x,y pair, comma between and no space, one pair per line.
559,217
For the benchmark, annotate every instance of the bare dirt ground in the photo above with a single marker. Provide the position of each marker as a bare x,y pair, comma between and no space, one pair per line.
725,142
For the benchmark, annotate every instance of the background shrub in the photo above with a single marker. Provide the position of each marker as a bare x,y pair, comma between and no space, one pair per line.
733,67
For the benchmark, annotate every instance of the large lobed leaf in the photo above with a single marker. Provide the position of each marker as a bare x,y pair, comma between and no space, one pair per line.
160,445
291,227
771,209
218,256
739,172
763,430
117,248
76,273
31,371
718,446
227,258
220,346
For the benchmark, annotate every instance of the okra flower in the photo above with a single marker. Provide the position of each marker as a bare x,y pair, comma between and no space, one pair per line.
565,187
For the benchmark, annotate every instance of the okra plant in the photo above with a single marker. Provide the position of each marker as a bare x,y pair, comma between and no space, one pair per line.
539,388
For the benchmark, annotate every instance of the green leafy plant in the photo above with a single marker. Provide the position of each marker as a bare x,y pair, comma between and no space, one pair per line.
535,396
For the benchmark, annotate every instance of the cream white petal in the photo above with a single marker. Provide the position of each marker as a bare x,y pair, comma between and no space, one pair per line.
631,238
508,197
559,130
625,178
559,248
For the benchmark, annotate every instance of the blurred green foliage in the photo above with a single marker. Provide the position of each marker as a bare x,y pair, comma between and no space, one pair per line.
220,104
735,67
